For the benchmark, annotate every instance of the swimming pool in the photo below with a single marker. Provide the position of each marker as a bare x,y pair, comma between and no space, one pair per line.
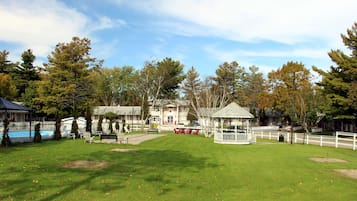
14,134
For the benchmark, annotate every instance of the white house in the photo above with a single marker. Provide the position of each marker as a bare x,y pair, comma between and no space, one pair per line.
169,112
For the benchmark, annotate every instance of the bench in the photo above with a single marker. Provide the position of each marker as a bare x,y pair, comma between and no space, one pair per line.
106,136
153,130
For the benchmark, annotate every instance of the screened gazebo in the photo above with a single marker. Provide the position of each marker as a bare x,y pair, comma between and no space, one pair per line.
232,125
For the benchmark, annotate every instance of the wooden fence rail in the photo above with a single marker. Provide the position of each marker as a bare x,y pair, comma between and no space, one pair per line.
340,140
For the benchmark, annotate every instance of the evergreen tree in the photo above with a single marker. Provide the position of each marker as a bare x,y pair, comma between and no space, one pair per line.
67,87
6,66
172,73
25,73
191,89
339,85
230,82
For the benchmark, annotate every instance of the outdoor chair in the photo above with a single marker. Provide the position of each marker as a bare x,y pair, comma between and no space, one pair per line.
181,131
195,131
188,131
122,138
88,138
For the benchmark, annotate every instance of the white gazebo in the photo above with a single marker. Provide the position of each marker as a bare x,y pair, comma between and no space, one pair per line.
232,125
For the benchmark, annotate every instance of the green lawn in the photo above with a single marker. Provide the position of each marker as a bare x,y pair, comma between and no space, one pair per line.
176,167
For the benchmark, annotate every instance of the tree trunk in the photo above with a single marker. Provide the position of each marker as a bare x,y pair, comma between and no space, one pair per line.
5,138
58,135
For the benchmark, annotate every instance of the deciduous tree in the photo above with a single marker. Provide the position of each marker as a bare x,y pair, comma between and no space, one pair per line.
291,89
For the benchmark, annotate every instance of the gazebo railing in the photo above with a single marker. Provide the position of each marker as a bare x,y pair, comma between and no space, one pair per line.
232,135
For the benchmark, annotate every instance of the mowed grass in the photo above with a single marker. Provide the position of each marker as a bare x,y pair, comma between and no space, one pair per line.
175,167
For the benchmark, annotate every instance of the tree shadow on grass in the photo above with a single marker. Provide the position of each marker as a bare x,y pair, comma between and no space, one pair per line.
157,167
19,146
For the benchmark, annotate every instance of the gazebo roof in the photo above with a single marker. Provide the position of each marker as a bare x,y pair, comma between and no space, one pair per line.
233,111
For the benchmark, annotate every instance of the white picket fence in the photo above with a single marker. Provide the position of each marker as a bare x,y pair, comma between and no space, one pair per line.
340,140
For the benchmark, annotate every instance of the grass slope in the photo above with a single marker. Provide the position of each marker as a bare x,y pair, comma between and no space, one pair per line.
175,167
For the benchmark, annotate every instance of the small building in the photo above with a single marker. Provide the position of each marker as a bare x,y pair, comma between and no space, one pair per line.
125,113
13,111
130,115
234,125
169,112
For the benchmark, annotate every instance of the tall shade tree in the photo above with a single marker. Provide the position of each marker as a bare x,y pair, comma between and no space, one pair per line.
107,86
202,96
127,86
149,84
116,86
67,88
172,73
255,92
339,85
191,88
230,82
291,89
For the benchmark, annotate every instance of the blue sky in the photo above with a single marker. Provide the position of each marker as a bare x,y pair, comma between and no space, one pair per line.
199,33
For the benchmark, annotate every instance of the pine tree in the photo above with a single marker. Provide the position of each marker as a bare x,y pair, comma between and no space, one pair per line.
339,85
191,88
67,88
25,73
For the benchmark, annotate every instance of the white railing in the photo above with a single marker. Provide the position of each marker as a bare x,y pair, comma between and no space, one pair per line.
340,140
228,136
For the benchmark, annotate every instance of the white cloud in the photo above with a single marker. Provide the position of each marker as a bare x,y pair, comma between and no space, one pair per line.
286,21
107,23
41,24
235,54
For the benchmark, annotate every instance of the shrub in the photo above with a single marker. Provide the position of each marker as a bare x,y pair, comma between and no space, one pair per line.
38,137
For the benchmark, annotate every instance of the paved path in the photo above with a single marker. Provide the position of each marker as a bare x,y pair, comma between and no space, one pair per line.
139,138
134,139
